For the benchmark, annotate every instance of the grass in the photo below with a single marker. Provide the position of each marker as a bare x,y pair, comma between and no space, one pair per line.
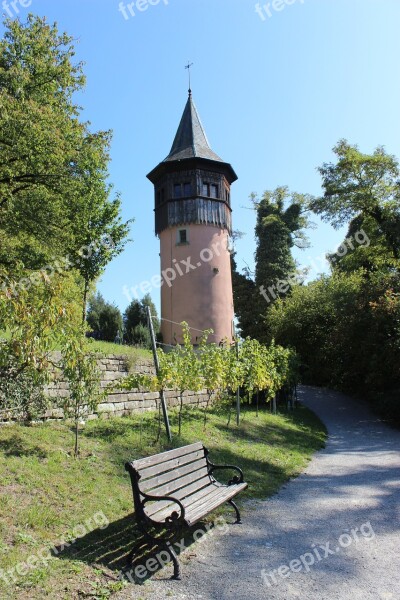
106,348
121,350
45,493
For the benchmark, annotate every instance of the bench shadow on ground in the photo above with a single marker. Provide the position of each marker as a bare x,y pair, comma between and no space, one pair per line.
108,549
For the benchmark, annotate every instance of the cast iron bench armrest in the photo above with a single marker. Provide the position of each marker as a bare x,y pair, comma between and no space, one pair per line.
150,498
235,479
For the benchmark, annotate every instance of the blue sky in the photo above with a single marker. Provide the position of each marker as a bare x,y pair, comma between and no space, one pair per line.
275,93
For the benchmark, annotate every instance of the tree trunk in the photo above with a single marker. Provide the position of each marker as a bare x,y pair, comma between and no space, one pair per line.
180,413
76,449
84,301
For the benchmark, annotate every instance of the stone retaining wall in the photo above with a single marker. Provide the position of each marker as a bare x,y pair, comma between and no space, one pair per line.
120,403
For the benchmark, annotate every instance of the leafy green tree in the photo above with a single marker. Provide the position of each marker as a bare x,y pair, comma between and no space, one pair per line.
110,322
259,369
54,196
212,368
141,336
96,306
148,302
135,321
346,331
246,300
35,318
184,369
134,315
80,369
104,318
362,185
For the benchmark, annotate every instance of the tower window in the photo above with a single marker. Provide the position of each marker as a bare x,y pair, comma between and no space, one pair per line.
182,236
182,190
211,190
177,190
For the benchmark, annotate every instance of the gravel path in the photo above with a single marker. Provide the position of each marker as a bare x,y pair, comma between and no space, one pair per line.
332,533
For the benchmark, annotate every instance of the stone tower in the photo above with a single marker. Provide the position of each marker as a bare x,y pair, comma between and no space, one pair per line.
193,222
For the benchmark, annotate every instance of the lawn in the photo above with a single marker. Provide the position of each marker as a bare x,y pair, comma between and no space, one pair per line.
123,350
48,497
106,348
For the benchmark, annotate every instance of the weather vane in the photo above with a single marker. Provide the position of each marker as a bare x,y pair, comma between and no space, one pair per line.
188,68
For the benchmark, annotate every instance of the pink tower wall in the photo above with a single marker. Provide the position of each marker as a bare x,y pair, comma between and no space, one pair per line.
202,297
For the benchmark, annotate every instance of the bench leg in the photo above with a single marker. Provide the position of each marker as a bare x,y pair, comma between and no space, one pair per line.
174,558
238,519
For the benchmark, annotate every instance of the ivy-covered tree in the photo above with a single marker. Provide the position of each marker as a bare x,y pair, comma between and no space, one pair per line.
281,223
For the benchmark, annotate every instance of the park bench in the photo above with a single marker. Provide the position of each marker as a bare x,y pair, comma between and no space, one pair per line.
175,489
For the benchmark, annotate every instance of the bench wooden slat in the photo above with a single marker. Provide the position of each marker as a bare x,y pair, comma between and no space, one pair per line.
164,508
188,500
181,495
158,480
199,509
171,464
170,488
156,459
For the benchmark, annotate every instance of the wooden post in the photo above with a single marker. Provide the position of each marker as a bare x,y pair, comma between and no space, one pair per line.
238,391
157,366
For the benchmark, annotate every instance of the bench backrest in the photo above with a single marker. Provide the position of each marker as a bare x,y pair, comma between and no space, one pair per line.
164,473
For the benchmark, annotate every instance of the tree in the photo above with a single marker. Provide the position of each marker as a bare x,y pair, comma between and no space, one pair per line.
346,331
362,185
281,221
110,322
148,302
36,318
212,368
54,196
135,321
104,318
141,336
184,369
80,369
278,229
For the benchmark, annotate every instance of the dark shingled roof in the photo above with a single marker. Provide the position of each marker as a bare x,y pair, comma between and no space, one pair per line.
190,140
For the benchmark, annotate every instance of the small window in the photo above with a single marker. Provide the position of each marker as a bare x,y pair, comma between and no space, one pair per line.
187,189
214,190
182,236
177,190
206,189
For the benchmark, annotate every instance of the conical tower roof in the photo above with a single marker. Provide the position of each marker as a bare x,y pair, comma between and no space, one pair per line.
191,140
